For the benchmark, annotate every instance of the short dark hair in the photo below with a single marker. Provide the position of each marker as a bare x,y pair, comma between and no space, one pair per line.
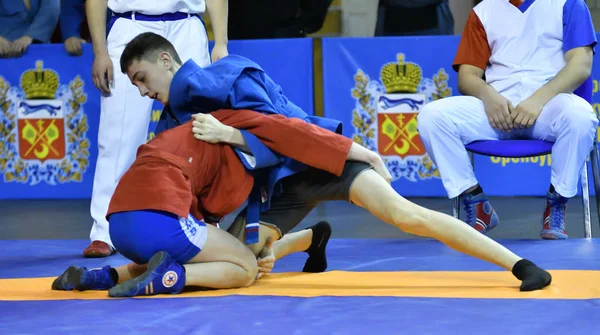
146,46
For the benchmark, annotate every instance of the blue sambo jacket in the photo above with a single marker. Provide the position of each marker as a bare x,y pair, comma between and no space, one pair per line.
235,82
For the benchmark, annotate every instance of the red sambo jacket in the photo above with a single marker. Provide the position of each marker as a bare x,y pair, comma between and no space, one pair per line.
179,174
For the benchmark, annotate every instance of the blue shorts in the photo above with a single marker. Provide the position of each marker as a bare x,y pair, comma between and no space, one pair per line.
138,235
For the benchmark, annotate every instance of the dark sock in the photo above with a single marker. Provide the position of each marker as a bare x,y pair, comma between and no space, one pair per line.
114,275
532,277
317,260
477,190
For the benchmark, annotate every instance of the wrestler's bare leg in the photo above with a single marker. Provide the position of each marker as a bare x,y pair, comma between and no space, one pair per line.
294,242
204,269
223,262
373,193
130,271
288,244
268,251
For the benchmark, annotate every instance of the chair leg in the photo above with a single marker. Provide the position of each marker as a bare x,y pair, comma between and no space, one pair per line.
456,207
585,193
596,176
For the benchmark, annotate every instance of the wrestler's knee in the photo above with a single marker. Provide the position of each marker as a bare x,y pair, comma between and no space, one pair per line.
409,217
242,255
265,233
251,267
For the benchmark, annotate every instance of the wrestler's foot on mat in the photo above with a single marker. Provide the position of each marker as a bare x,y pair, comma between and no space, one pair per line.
317,259
532,277
82,279
98,249
163,275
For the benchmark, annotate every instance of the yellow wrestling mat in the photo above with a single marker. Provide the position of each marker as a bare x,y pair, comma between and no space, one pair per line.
566,284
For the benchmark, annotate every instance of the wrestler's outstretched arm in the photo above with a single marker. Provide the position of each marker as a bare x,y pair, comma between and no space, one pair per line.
290,137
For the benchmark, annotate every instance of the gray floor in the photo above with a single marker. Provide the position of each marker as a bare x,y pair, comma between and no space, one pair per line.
69,219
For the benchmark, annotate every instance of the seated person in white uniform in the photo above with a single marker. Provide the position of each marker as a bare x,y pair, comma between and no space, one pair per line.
518,64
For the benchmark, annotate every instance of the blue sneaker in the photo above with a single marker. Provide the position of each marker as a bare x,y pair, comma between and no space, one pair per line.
163,275
553,225
82,279
480,213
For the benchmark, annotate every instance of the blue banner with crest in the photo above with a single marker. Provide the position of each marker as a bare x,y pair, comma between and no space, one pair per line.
49,118
50,112
361,84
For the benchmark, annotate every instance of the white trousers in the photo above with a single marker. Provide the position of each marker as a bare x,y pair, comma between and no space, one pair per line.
448,124
125,114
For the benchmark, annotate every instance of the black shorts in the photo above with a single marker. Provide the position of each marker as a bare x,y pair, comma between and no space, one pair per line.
301,193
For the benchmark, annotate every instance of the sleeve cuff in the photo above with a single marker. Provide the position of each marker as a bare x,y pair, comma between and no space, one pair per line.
259,157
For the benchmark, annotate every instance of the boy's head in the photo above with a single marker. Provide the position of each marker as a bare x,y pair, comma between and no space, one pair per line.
150,61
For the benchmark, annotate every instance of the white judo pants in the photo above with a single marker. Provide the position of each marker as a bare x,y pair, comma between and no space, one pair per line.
125,114
448,124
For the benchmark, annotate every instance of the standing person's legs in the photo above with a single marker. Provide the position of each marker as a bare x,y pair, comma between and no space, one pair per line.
570,122
189,38
125,115
445,127
124,120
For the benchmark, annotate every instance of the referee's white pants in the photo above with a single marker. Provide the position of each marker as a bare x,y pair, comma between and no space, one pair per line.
125,115
448,124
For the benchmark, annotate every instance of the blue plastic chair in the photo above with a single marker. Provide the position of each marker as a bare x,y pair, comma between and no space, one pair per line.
532,148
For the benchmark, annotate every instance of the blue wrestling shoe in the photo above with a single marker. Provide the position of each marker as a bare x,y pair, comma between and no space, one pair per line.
163,275
82,279
553,225
480,213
